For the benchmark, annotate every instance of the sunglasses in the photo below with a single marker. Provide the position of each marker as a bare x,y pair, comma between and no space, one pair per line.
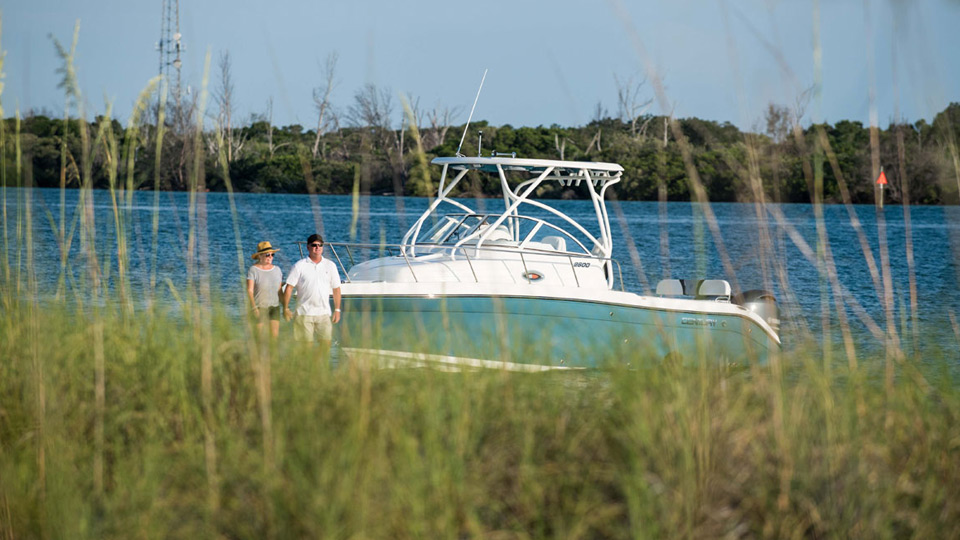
316,245
267,255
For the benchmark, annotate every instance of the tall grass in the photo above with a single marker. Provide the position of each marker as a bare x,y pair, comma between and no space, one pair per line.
123,422
664,451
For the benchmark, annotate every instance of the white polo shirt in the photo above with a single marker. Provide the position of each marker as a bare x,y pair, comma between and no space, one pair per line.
314,282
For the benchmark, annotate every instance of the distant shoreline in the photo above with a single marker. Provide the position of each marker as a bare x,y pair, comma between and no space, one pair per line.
472,196
663,158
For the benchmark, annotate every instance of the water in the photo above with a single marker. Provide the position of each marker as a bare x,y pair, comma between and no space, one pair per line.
284,219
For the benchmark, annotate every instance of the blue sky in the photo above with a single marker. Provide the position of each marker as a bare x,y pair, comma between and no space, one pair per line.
549,61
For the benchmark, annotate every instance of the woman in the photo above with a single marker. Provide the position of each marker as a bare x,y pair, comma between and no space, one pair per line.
264,281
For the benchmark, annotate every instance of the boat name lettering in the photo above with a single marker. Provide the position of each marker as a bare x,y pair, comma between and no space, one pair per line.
581,265
694,321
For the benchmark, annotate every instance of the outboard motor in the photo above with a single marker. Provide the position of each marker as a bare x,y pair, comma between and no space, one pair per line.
764,304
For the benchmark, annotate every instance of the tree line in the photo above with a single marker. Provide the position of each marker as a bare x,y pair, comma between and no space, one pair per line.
364,148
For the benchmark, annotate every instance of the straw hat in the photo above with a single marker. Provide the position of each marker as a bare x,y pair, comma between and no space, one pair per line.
262,249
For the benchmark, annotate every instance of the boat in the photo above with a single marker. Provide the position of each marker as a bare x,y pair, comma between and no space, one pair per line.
530,288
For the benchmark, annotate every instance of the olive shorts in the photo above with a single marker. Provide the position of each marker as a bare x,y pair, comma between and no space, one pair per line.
269,313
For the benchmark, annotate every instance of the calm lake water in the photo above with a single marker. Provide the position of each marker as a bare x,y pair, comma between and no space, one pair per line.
690,251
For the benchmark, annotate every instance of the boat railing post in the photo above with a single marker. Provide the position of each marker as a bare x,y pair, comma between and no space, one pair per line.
412,273
470,264
524,262
350,254
619,273
574,270
346,276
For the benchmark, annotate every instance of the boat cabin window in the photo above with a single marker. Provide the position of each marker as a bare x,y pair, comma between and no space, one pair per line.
520,231
464,228
438,232
451,228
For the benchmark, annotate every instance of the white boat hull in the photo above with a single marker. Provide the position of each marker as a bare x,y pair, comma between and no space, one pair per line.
531,328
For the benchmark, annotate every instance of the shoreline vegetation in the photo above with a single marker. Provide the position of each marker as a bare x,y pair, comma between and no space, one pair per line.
256,156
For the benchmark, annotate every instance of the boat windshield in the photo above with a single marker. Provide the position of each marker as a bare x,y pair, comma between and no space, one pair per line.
522,232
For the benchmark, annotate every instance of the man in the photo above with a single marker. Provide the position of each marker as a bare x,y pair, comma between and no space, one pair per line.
315,279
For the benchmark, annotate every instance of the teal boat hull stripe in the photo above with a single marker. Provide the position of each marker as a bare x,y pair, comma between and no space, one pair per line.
547,331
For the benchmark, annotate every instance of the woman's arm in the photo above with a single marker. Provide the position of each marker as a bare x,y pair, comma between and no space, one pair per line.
280,289
250,296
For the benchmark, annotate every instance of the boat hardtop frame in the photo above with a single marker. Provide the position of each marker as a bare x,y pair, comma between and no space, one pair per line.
490,228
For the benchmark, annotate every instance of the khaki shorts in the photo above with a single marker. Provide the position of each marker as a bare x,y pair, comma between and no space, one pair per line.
312,328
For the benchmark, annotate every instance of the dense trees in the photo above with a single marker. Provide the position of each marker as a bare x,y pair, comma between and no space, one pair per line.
375,156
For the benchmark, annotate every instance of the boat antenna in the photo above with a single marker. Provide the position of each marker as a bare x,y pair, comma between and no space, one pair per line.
471,114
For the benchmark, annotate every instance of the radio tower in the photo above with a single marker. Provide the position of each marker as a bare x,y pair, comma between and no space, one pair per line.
170,48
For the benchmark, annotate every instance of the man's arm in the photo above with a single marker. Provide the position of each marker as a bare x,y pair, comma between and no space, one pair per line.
336,305
287,291
285,301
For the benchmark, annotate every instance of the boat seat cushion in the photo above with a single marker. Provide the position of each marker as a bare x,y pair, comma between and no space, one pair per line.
714,288
499,234
669,287
556,242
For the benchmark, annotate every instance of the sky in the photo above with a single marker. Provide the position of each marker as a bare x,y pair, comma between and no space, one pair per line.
549,62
